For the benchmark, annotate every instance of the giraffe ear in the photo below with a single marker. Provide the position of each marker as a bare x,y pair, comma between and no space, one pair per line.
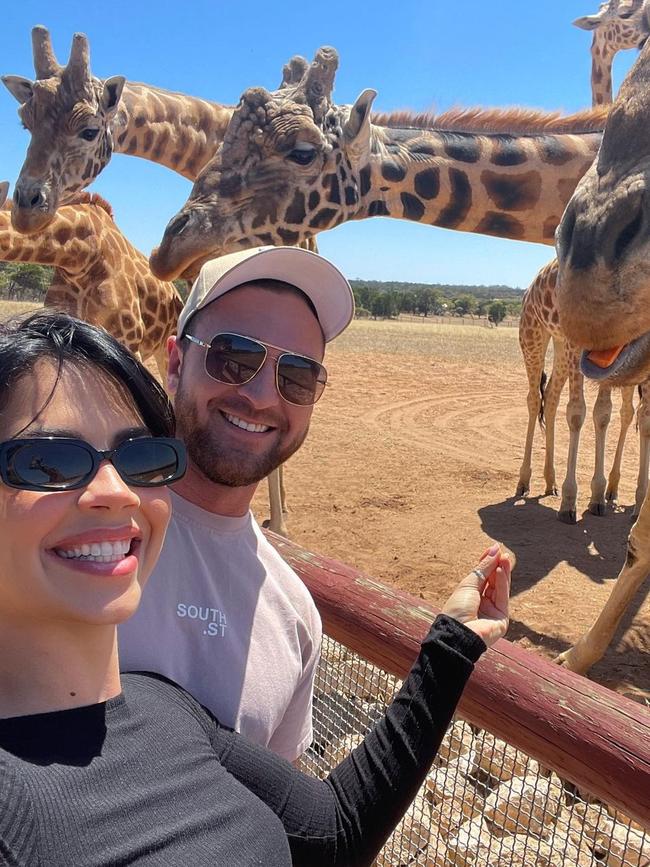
20,88
356,132
111,94
4,189
587,22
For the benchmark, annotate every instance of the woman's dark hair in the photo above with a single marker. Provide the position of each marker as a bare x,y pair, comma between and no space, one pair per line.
66,340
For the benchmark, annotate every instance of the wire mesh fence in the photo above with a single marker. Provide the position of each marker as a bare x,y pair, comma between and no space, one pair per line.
483,803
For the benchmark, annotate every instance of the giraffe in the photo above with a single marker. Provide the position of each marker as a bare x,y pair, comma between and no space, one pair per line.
99,276
603,248
77,121
617,26
538,325
293,163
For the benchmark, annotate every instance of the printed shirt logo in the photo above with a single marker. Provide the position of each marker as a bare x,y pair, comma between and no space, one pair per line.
211,620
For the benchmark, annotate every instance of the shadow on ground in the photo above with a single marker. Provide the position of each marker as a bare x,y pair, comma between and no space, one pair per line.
595,546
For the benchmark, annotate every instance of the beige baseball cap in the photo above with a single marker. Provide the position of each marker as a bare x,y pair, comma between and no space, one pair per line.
317,277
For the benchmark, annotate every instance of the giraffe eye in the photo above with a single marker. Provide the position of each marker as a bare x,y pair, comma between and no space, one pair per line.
303,155
89,134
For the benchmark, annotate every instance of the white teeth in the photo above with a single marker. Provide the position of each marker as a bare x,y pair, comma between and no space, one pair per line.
99,552
254,428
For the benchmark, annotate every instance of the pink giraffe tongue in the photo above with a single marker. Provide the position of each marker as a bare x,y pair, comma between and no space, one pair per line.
605,357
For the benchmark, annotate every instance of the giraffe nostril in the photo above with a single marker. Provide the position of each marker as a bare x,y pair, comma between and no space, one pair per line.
178,224
628,235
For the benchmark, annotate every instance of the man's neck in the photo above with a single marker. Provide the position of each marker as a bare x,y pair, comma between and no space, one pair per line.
212,496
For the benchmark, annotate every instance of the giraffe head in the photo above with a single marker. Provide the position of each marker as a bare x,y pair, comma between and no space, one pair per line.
603,243
68,113
289,166
617,26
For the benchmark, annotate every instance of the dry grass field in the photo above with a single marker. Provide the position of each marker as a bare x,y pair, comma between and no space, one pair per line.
410,469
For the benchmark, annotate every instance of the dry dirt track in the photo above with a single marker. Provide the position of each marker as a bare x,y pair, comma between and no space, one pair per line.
410,469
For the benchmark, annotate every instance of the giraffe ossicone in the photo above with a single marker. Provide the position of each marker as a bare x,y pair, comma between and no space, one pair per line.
293,163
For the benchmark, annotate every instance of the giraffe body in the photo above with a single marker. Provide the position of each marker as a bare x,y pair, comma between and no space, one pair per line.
538,325
99,276
293,163
603,245
617,26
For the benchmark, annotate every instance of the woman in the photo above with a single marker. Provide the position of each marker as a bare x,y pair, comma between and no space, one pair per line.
95,769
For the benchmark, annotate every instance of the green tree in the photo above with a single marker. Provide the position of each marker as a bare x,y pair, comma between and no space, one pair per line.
497,311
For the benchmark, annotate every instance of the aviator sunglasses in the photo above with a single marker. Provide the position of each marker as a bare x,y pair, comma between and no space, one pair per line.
234,360
63,464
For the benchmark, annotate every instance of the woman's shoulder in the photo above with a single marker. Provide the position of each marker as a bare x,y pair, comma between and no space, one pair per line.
158,694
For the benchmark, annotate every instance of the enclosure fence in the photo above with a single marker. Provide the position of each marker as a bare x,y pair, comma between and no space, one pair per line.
539,768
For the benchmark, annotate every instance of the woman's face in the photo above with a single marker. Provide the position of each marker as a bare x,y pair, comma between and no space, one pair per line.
50,569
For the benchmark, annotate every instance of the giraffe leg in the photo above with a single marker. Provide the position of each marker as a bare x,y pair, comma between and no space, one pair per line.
575,415
643,421
602,416
551,401
593,644
283,493
276,521
626,416
533,340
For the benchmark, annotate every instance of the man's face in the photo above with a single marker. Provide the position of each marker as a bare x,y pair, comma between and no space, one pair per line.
211,416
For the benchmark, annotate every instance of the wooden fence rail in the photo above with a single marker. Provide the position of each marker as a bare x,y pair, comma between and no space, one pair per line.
595,738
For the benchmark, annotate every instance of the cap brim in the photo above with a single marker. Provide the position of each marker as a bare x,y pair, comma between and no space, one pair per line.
319,279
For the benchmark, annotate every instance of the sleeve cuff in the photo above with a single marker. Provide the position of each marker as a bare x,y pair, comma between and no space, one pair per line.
457,636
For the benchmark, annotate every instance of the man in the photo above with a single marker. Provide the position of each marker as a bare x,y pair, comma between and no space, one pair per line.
224,615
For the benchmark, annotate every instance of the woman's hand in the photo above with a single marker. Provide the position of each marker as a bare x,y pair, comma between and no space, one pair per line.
481,603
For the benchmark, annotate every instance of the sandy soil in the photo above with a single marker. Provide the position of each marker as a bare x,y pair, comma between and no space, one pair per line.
410,469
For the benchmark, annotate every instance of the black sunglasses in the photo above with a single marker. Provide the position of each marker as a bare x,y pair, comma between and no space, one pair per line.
63,464
234,360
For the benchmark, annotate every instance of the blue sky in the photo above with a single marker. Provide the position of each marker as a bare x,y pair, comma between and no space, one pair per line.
420,55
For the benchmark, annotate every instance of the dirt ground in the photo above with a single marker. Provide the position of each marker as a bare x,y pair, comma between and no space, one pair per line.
410,470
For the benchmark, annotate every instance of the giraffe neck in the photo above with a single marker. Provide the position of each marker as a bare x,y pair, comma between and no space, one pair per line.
178,131
601,74
62,244
508,185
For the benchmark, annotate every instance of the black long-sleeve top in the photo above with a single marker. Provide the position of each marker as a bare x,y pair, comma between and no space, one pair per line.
151,778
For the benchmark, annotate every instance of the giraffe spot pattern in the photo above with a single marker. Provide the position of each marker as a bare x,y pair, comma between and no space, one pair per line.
552,151
331,183
351,196
364,181
392,171
506,152
460,202
287,236
323,218
549,227
501,225
413,207
378,209
427,183
314,200
513,192
461,149
296,210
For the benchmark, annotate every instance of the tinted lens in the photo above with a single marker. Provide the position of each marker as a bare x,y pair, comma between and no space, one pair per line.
233,359
48,464
300,380
149,462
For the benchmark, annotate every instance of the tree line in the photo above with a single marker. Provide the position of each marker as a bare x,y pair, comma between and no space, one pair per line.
388,299
21,281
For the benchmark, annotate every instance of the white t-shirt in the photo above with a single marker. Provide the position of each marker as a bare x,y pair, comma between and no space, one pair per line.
226,618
